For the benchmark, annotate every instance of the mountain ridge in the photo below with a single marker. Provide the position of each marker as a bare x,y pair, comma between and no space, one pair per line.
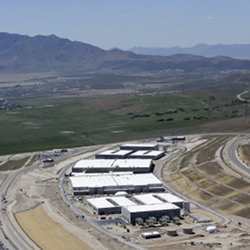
239,51
22,53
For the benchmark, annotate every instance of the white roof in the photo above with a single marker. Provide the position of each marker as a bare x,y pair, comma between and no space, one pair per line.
147,199
122,201
147,153
138,145
96,163
114,179
132,163
115,152
100,203
110,164
169,197
154,207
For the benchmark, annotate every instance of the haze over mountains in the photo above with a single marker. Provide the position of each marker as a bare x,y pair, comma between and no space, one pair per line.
21,53
241,51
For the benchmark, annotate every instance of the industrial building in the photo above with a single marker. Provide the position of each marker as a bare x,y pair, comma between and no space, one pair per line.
147,199
159,198
147,154
131,213
168,197
109,205
108,183
114,204
114,154
120,165
141,146
103,206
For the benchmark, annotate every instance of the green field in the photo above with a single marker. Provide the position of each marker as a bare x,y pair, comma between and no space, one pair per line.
45,123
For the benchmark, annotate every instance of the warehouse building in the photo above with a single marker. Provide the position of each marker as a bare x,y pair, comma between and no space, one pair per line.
109,205
168,197
103,206
120,165
114,154
131,213
147,199
109,183
147,154
141,146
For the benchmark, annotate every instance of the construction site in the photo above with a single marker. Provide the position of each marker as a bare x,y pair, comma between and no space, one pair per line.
193,196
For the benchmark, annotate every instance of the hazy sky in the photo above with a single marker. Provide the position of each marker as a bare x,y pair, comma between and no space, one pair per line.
128,23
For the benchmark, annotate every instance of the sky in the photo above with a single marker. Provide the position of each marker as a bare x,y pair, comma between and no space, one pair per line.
128,23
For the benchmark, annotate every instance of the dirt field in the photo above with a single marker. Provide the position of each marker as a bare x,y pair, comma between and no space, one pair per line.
244,152
46,233
206,181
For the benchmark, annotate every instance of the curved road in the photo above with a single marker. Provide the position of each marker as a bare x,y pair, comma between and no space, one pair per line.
232,154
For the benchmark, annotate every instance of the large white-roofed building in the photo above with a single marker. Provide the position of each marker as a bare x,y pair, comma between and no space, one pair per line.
120,165
147,154
147,199
131,213
139,146
114,154
102,206
171,198
109,183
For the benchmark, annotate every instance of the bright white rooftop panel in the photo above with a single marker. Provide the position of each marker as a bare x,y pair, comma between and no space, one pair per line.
154,207
147,153
154,153
148,199
114,179
169,197
99,203
116,152
111,164
96,163
122,201
133,163
140,145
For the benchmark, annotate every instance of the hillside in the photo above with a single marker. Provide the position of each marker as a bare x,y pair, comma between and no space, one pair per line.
240,51
21,53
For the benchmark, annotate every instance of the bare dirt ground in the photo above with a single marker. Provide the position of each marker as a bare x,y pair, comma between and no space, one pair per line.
244,153
201,175
47,233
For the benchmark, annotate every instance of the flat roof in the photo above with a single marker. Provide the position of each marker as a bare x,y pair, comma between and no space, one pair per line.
121,152
168,197
101,202
147,199
122,201
118,163
147,153
153,207
114,179
133,163
138,145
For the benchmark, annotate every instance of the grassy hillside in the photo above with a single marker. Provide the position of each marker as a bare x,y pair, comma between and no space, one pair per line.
64,122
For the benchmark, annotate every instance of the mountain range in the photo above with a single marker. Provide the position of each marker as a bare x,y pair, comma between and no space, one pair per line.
240,51
22,53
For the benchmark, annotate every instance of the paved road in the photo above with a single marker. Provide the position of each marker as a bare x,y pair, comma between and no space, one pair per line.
233,156
13,236
239,96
